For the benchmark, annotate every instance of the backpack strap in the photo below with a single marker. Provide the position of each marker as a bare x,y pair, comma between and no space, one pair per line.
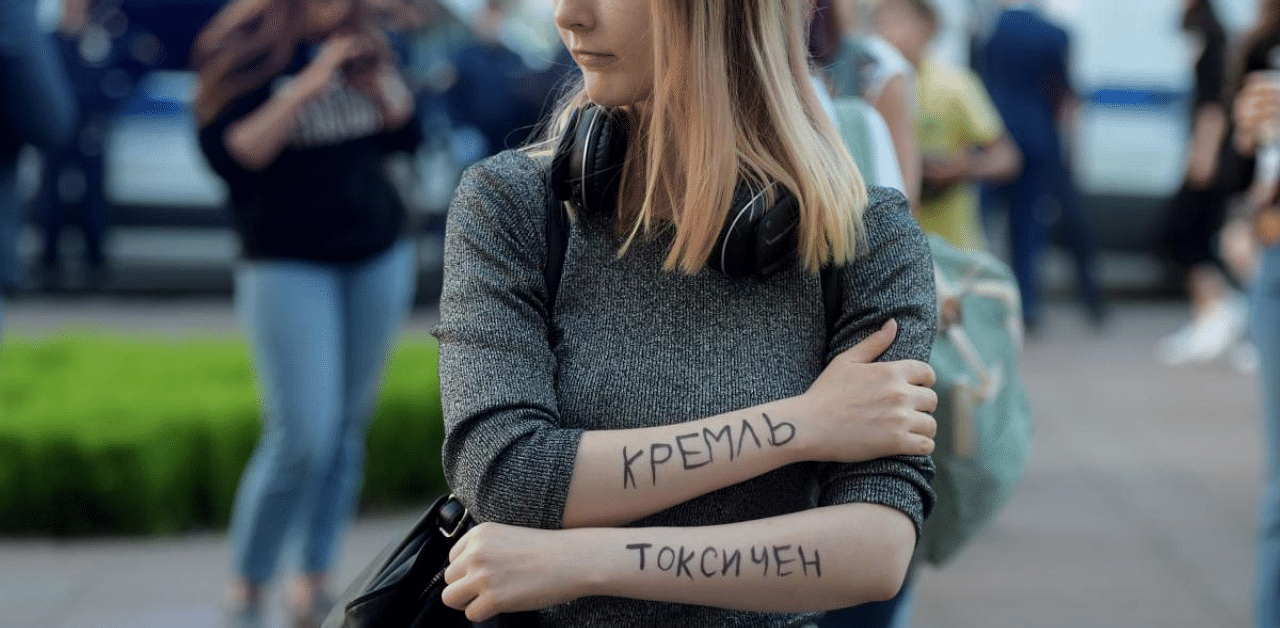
558,246
831,298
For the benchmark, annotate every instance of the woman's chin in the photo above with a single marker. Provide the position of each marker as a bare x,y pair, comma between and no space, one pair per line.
609,96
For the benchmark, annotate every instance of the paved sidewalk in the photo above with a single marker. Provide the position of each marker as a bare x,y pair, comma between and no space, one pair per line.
1137,509
182,315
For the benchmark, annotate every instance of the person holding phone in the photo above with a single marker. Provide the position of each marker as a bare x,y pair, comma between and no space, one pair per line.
298,103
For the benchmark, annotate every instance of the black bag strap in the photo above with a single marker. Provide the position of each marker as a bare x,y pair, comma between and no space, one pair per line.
831,298
558,246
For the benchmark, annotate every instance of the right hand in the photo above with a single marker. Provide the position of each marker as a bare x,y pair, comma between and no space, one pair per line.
334,53
861,409
1257,109
939,175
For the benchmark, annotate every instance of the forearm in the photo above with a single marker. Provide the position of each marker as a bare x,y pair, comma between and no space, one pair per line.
819,559
997,162
1206,138
898,110
622,475
257,139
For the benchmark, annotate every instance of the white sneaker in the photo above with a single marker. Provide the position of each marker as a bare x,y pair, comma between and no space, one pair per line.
1175,348
1209,338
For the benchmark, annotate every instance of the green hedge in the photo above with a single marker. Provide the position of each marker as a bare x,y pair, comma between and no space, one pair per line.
108,434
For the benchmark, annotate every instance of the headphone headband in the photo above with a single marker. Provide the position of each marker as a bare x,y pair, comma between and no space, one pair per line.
586,171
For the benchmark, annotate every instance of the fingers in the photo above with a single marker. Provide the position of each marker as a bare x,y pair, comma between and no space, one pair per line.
921,445
923,424
926,399
873,346
480,610
919,439
459,595
916,372
464,596
460,546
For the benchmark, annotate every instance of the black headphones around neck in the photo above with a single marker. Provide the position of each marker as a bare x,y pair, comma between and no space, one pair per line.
756,241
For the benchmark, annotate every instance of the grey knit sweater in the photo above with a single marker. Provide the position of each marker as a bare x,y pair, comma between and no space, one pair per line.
632,346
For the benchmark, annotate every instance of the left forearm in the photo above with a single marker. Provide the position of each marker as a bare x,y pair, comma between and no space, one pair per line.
817,559
814,560
1206,138
897,106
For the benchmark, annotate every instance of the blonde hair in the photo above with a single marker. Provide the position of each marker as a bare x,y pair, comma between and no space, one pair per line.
732,101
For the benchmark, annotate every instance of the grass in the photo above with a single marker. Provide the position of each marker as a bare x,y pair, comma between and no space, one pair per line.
110,434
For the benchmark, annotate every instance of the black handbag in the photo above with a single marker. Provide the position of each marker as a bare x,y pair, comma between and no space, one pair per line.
402,587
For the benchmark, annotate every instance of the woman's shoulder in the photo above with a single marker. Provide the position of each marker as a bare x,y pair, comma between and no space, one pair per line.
887,218
515,170
508,188
886,203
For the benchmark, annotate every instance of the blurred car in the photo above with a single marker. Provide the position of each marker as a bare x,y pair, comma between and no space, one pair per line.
170,224
155,172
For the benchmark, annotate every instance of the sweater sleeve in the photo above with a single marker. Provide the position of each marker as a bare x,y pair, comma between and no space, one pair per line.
506,455
213,135
892,279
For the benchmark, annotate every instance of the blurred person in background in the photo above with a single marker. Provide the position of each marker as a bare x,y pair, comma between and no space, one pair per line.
298,103
861,127
1024,64
963,141
1198,210
490,97
857,62
105,57
961,136
37,107
1256,113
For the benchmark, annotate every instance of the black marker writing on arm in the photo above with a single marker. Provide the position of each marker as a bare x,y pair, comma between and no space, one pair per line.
775,560
693,455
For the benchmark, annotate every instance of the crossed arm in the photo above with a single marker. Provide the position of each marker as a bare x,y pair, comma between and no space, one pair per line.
851,552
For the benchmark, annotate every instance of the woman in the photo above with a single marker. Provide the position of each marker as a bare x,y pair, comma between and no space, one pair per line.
1198,210
1256,112
660,445
859,63
298,103
960,134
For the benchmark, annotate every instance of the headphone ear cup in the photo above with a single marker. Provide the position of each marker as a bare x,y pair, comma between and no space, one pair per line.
735,251
564,172
757,241
602,143
777,235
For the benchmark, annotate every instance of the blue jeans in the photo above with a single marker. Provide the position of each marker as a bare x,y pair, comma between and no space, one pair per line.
321,334
1024,199
1264,326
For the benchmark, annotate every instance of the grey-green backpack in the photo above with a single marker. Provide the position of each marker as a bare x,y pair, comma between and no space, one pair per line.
984,420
